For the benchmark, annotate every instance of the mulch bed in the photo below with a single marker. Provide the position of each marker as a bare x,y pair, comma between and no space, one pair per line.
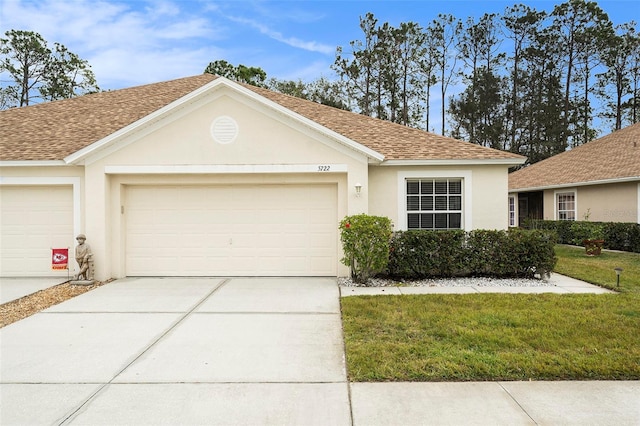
26,306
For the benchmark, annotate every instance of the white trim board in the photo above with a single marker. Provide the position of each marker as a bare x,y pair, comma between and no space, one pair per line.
321,168
465,175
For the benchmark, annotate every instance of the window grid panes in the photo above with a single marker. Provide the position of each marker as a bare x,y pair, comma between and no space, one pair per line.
566,206
434,204
512,211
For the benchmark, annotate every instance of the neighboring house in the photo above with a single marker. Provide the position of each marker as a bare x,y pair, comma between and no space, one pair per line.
204,176
598,181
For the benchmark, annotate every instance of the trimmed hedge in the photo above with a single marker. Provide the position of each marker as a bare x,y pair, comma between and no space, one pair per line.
616,235
430,254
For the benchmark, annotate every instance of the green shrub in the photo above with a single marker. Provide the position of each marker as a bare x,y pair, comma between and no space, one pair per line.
622,236
585,231
365,243
416,254
513,253
616,235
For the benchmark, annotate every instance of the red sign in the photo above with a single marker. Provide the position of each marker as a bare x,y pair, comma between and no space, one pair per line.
59,259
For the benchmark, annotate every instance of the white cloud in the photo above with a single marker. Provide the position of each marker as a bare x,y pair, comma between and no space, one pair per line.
124,45
311,46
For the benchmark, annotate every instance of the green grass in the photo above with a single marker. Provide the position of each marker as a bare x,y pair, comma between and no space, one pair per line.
573,261
478,337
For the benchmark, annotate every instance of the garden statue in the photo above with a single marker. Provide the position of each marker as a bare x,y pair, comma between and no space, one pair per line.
84,257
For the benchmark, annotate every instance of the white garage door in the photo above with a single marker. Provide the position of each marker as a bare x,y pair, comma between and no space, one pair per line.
34,219
235,230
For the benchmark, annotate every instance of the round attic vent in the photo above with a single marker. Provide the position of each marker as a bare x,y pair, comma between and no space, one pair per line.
224,129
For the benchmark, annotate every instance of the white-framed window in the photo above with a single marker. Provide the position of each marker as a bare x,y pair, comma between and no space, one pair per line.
566,205
461,175
434,203
513,214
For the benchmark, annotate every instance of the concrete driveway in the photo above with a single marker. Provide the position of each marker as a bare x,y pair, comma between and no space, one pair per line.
15,288
252,351
180,351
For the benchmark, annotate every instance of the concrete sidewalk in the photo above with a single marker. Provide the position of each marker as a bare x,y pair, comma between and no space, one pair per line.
497,403
560,284
252,351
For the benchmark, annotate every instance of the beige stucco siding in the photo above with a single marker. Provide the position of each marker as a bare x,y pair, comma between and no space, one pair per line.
609,203
599,203
485,190
270,148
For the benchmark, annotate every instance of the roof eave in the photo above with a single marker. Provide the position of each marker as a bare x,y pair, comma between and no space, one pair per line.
32,163
456,162
574,184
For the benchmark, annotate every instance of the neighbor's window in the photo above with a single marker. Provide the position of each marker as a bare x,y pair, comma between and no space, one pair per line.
512,210
566,204
434,203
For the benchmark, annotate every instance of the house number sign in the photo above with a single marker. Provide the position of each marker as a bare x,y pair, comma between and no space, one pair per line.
324,168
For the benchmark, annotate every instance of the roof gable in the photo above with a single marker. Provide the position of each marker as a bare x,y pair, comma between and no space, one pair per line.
612,157
66,129
55,130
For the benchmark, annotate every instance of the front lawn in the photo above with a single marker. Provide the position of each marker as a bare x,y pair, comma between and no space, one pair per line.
573,261
478,337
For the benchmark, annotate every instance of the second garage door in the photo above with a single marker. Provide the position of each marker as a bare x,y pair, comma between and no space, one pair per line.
234,230
33,220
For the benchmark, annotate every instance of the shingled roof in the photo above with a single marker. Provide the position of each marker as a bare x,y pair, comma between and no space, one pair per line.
55,130
615,156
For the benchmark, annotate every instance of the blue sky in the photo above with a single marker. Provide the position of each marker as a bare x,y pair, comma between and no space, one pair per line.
131,42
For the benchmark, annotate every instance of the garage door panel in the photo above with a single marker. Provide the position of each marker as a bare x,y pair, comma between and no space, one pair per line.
234,229
33,220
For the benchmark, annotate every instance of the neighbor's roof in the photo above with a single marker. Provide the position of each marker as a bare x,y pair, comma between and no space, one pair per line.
55,130
612,157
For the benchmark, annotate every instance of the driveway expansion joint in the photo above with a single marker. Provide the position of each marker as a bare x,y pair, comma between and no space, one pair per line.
87,401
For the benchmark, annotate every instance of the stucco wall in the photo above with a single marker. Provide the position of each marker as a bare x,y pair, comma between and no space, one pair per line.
488,192
601,203
266,139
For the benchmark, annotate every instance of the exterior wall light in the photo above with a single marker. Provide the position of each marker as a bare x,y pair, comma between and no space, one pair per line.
358,189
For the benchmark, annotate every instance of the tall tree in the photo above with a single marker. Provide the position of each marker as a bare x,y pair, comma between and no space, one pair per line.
478,113
483,115
575,24
67,75
445,30
37,72
251,75
321,90
620,56
357,67
543,129
521,25
632,106
427,74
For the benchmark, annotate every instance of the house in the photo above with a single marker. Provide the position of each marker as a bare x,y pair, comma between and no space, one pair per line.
598,181
202,176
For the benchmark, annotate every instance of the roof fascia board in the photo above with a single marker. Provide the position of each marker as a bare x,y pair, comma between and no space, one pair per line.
84,153
33,163
574,184
454,162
